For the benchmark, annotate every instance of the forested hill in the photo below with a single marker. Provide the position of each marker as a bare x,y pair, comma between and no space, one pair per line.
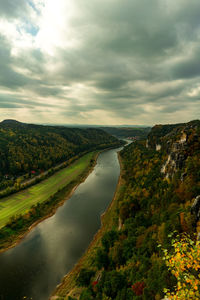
125,132
28,147
166,134
159,196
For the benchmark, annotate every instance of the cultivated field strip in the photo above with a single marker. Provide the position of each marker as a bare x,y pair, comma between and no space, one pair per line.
22,201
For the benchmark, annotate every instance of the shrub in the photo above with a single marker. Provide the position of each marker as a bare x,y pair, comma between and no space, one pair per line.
84,277
184,264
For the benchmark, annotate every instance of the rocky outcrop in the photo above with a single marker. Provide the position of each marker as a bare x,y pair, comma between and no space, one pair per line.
159,132
176,157
195,211
147,144
165,135
195,208
158,147
183,175
177,142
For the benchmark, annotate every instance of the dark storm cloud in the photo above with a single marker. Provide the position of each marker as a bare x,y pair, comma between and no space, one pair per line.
133,32
33,61
8,77
170,108
9,105
189,66
12,9
122,46
14,101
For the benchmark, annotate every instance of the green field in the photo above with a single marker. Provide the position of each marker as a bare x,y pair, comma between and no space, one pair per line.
22,201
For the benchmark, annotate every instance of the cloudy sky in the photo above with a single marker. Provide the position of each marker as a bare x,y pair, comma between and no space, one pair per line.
100,61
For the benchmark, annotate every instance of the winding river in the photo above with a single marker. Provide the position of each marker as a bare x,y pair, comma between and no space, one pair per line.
34,267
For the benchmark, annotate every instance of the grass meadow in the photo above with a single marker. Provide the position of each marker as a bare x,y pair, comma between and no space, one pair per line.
21,202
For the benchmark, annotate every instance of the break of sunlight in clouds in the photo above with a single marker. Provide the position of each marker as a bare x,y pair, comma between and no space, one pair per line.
100,61
54,30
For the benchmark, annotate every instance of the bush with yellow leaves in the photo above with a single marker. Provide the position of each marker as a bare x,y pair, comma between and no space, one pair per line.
184,264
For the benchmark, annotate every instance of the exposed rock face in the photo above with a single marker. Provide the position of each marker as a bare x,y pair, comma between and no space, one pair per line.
165,135
195,208
183,137
158,147
164,167
147,144
175,158
183,175
159,132
176,141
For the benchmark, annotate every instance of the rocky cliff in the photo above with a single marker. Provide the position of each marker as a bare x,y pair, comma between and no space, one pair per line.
178,142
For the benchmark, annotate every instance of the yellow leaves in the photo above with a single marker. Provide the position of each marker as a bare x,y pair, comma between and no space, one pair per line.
184,264
145,193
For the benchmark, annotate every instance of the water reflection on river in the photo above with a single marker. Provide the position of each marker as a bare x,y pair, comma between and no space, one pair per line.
50,250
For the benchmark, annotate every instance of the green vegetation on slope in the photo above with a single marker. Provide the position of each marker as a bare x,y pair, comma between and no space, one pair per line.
21,202
124,132
28,149
128,263
18,225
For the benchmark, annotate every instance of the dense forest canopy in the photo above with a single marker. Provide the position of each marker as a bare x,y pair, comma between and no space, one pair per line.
27,147
154,202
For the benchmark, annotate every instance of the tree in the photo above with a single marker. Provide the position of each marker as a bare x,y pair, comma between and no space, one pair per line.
184,264
101,259
108,239
84,277
114,281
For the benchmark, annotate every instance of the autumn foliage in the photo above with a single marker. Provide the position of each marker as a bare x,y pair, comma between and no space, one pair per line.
138,288
184,264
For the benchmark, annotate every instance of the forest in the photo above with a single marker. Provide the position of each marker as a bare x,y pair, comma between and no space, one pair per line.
141,257
28,150
125,132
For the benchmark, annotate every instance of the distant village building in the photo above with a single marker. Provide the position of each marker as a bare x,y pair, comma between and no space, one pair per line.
133,138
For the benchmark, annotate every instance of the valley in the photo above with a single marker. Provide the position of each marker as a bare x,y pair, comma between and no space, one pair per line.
119,221
152,209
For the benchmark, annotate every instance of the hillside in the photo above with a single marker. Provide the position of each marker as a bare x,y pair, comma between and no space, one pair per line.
125,132
159,196
28,148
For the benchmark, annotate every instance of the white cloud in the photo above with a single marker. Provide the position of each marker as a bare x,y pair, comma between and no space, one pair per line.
194,92
54,26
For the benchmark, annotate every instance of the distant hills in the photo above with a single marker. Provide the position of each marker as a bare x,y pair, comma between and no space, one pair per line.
80,125
125,132
10,122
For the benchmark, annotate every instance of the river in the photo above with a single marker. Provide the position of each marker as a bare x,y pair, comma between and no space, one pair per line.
33,268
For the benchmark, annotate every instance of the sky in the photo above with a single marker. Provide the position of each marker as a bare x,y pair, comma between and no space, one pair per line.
107,62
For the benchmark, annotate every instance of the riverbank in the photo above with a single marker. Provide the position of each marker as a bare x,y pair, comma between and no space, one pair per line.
12,233
109,220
